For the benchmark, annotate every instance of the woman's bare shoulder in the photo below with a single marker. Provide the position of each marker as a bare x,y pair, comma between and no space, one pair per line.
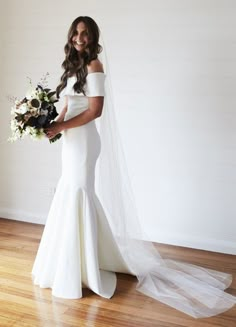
95,66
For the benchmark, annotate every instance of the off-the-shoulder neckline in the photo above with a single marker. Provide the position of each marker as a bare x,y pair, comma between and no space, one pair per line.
96,73
73,76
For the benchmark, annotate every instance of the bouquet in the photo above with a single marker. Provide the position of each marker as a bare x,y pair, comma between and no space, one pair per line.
34,112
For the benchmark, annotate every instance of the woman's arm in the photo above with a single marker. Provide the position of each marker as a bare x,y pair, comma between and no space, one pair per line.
94,111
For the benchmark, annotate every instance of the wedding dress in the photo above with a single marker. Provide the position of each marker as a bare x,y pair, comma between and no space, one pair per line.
85,243
77,248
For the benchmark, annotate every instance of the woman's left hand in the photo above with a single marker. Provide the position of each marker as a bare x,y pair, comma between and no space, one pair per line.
54,129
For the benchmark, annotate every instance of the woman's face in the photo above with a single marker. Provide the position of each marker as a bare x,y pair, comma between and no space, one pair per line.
80,39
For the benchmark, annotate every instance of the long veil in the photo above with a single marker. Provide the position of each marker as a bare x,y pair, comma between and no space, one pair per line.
197,291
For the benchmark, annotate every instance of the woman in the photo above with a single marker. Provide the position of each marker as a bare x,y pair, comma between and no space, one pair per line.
70,254
82,246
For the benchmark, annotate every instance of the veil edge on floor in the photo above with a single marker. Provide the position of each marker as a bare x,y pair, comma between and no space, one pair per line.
194,290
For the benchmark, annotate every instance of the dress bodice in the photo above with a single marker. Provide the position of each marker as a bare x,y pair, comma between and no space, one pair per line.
78,102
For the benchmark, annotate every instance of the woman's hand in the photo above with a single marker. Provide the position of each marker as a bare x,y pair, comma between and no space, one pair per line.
54,129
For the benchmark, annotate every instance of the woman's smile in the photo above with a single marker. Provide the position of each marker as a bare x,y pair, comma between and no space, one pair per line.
80,39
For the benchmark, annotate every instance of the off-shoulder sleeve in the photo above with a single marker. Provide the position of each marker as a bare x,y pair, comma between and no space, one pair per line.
95,84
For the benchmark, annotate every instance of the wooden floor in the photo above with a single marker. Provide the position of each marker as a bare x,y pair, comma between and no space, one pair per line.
24,304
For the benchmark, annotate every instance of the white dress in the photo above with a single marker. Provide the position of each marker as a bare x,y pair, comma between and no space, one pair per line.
77,248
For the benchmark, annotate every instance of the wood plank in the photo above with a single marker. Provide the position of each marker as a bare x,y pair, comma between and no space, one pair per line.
24,304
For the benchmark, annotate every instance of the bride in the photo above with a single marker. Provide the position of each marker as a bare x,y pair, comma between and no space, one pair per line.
92,230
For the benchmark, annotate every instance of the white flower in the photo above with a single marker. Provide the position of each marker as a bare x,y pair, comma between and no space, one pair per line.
37,134
13,109
29,130
22,109
31,93
53,98
17,133
13,125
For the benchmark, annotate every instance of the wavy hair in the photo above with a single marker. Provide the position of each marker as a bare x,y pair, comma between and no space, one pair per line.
75,63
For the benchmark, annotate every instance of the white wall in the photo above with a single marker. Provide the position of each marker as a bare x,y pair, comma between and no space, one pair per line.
173,66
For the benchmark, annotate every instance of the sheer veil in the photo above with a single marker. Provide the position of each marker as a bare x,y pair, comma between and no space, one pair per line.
194,290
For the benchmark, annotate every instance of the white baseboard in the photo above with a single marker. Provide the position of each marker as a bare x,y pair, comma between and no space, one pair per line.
208,244
23,216
190,241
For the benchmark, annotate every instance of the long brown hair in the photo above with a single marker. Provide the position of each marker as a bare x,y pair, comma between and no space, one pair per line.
75,63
